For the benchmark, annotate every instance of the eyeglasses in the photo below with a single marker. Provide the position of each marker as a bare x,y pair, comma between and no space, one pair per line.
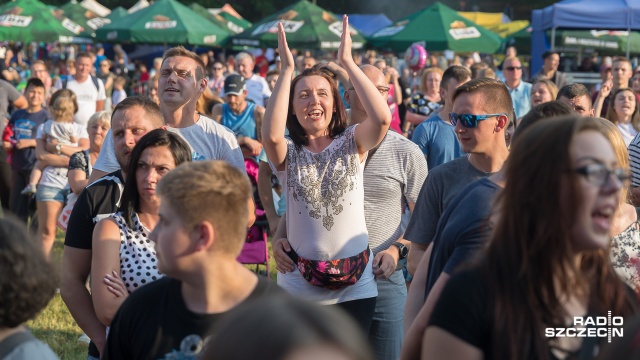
381,89
217,68
598,174
470,120
511,68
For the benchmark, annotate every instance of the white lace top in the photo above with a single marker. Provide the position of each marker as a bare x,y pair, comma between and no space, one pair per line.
325,214
625,255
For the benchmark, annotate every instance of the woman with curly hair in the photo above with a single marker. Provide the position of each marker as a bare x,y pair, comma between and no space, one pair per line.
27,284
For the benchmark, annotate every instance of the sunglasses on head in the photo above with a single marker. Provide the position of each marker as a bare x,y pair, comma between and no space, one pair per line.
470,120
511,68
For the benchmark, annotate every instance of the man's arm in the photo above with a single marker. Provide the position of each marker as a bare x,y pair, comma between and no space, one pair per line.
99,105
266,195
415,296
20,103
76,265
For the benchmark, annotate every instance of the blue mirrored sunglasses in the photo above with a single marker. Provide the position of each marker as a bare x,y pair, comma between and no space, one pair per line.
470,120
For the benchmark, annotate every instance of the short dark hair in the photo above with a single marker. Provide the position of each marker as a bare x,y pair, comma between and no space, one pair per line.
180,150
545,110
338,121
28,280
83,54
150,107
495,92
548,53
573,91
460,73
35,82
181,51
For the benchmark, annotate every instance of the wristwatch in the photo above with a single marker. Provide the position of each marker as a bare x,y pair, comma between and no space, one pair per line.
403,251
58,149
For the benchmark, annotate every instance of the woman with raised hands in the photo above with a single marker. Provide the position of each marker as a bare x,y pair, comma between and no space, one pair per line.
321,162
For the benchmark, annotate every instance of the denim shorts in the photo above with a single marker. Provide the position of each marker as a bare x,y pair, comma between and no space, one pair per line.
48,193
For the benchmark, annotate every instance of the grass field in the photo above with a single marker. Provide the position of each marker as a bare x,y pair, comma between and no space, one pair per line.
55,326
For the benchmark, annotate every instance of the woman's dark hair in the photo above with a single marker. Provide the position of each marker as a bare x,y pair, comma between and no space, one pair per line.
546,110
279,325
180,150
28,279
530,260
338,121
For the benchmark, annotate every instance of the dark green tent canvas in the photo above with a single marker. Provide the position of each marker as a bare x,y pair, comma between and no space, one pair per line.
31,20
307,26
163,22
83,17
438,28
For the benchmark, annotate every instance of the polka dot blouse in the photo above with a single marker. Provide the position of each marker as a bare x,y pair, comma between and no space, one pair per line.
138,262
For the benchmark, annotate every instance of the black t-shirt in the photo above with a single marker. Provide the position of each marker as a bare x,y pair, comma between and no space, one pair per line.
24,125
154,323
462,229
97,201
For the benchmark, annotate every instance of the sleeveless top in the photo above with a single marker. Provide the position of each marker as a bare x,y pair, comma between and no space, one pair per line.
625,255
325,214
138,262
241,124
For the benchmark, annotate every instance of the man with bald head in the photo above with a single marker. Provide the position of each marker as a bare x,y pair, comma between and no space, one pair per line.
393,175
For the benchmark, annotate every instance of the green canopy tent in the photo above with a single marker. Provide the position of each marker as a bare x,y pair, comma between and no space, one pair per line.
117,13
239,23
163,22
216,19
438,28
83,17
307,26
31,20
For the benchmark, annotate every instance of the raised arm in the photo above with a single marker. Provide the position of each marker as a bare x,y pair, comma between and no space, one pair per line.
371,131
275,116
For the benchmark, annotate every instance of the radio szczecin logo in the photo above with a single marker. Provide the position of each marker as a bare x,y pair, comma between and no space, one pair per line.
590,326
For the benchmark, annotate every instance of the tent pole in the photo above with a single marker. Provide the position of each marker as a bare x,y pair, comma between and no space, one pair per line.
553,38
628,42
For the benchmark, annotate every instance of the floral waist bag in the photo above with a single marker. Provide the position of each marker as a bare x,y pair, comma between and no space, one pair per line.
332,274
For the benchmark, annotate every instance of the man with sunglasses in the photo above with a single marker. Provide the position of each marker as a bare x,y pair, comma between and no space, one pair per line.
519,90
481,112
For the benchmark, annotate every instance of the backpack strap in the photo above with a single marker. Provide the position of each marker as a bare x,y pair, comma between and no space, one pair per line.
93,78
64,82
12,342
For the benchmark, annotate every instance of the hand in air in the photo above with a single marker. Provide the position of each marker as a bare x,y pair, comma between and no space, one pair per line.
286,57
344,51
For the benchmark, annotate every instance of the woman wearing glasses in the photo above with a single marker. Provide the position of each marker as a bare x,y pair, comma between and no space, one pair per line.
321,162
547,258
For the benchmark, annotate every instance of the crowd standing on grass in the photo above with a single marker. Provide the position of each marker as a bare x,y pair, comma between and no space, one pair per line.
445,212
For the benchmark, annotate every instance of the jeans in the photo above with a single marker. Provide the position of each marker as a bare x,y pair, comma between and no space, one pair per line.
387,329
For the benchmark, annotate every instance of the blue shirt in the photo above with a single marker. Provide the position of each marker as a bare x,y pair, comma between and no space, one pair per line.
241,124
521,98
437,140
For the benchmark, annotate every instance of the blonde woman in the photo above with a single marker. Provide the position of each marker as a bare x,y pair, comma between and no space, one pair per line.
624,113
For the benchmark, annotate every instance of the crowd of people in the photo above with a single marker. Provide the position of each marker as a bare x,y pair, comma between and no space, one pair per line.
453,212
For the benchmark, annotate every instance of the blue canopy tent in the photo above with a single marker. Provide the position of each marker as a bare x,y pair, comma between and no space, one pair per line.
580,14
369,23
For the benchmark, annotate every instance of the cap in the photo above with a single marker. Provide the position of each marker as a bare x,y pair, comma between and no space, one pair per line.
234,84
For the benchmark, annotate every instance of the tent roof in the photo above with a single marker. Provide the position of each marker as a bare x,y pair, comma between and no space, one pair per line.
96,7
369,23
590,14
484,18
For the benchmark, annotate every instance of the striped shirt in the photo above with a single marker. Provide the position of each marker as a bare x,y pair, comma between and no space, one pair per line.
634,161
393,175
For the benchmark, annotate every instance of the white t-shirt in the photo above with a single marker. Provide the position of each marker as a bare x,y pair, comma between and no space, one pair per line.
87,96
628,132
208,140
325,215
54,176
61,131
258,89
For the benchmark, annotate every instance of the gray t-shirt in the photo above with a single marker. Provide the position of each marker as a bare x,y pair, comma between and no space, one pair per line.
31,349
443,184
394,171
8,94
